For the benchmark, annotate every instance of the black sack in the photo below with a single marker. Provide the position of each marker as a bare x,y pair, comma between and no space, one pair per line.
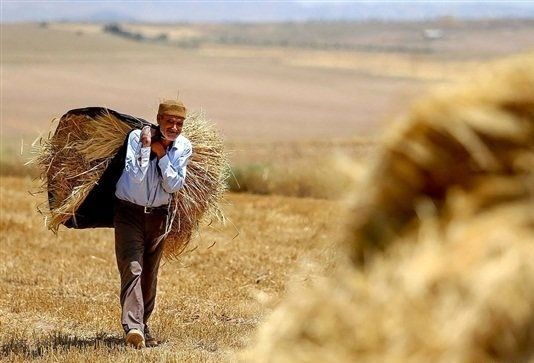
97,208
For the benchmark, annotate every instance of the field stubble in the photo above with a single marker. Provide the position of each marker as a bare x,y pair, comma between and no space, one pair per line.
59,294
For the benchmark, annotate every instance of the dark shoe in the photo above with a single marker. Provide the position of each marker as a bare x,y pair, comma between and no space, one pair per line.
150,341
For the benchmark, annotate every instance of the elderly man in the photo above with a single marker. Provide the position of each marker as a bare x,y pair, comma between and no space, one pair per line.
155,167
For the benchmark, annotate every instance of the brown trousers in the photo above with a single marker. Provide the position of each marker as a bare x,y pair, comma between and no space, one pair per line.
138,259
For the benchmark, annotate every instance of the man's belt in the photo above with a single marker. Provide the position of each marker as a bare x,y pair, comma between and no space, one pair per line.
144,209
149,210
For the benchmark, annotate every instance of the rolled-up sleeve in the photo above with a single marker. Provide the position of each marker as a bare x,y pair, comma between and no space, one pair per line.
137,158
174,168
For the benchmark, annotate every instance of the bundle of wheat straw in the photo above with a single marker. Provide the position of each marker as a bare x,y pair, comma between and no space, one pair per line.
437,265
82,147
73,160
205,184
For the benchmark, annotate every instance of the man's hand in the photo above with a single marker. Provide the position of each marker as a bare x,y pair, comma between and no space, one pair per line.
146,136
158,149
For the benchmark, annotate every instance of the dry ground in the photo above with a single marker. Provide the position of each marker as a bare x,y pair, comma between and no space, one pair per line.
261,97
252,93
59,295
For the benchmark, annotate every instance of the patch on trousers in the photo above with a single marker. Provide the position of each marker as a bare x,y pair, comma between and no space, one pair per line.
135,268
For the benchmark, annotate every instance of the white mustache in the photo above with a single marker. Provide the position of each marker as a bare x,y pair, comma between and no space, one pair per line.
163,134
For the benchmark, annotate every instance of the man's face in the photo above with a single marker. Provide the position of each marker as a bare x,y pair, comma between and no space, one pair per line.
170,126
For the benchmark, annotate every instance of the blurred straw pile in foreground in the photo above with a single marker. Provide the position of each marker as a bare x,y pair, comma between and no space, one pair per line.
437,265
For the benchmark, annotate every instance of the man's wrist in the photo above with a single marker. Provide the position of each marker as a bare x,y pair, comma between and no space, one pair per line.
163,162
144,155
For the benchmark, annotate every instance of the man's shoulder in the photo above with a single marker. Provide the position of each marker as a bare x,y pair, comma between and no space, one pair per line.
184,140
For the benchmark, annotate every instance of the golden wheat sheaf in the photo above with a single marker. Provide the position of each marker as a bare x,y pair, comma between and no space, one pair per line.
438,257
73,159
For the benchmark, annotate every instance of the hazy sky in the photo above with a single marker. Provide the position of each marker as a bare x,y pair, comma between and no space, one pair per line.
96,10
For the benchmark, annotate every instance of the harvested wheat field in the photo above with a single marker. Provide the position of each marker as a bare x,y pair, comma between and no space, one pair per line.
59,294
251,96
428,259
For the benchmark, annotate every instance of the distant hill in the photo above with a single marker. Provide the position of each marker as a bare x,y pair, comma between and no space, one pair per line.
224,11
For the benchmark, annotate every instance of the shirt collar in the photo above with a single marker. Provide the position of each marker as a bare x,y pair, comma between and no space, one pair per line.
176,142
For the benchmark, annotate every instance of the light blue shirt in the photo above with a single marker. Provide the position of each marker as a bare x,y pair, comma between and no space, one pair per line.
141,183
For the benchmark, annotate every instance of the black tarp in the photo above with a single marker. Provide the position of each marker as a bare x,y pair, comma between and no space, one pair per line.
97,208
